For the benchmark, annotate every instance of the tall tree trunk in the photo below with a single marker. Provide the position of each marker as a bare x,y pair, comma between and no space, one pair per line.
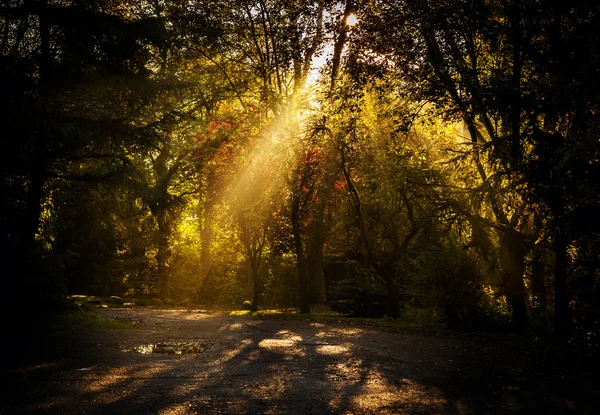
392,300
512,262
301,260
514,14
561,297
314,255
162,257
255,283
37,177
205,212
538,278
206,235
340,41
33,207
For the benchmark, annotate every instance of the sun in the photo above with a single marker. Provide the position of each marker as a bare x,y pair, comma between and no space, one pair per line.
352,19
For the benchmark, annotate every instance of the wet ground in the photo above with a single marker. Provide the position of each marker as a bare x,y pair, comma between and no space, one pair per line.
238,365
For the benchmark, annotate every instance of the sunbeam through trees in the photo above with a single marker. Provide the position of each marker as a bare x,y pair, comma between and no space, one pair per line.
429,160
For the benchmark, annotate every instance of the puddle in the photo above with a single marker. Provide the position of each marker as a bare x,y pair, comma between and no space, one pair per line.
168,348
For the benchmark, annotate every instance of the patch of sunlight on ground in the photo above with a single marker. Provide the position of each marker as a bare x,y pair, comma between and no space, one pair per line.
266,313
168,348
239,313
135,377
104,383
231,327
331,349
332,332
227,356
377,394
177,409
274,343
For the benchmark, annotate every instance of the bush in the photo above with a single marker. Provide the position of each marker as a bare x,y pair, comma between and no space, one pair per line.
451,279
144,302
359,295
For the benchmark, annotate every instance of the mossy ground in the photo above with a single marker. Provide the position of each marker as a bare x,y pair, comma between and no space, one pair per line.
76,320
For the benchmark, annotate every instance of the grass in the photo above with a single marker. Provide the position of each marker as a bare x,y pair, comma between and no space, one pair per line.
93,301
76,320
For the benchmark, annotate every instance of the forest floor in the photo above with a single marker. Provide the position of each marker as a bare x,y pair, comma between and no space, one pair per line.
254,366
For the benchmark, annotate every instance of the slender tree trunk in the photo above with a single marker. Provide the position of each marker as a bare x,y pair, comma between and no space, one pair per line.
35,195
162,257
392,308
255,284
206,208
561,297
340,41
206,235
301,260
512,262
538,279
314,257
514,14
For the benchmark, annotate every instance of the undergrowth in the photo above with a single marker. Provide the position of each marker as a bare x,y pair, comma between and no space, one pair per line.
86,320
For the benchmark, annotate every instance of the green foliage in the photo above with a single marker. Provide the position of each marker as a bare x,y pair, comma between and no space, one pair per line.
221,287
87,320
281,283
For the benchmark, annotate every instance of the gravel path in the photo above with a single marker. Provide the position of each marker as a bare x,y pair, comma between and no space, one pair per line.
250,366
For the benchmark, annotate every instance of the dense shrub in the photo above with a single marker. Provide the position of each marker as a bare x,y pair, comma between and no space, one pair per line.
449,279
358,295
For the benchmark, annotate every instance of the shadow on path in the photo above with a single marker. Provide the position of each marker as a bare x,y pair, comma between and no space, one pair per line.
283,367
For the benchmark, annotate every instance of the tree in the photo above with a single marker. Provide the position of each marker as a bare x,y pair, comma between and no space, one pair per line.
73,78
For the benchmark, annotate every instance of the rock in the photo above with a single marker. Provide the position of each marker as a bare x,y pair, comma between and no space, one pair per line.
94,302
246,305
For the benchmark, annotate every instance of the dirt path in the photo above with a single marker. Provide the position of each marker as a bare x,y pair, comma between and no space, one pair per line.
284,367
